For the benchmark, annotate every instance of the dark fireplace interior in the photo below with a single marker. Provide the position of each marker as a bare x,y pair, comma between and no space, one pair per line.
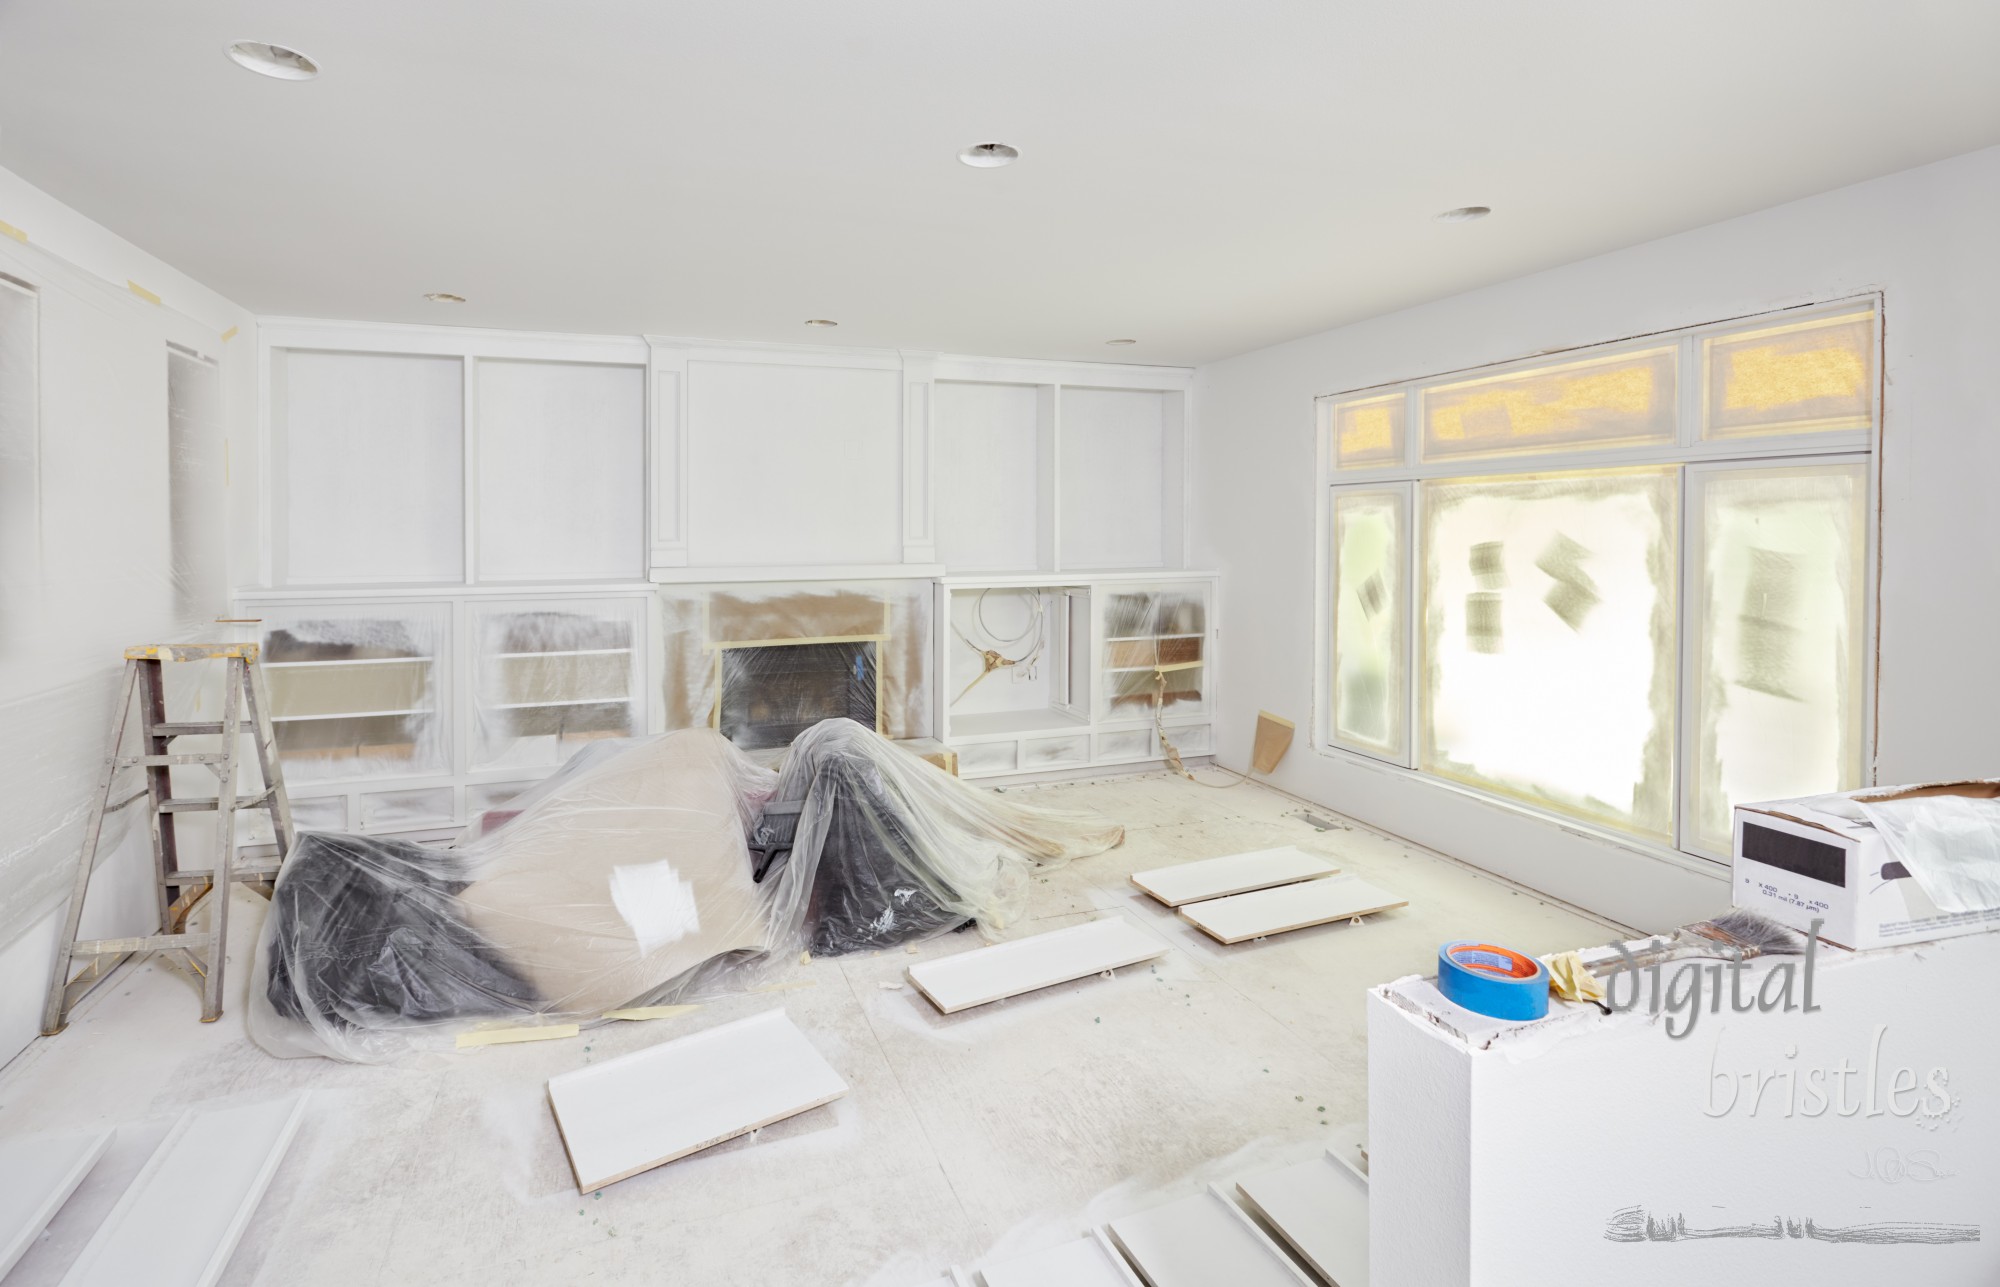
772,694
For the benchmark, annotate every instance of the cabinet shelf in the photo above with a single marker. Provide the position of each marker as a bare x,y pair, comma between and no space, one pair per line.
347,661
567,701
565,652
301,719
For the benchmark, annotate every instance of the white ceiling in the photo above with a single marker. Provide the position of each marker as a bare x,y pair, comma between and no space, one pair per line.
1205,176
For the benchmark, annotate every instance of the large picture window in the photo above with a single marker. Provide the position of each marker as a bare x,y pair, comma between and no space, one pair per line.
1627,585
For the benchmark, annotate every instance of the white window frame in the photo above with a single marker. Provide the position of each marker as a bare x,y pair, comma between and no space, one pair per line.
1689,452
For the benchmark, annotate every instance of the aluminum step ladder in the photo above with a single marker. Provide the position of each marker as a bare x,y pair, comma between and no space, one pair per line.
178,888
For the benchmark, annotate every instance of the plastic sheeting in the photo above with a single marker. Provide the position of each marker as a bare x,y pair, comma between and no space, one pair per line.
1371,672
1949,842
627,879
99,448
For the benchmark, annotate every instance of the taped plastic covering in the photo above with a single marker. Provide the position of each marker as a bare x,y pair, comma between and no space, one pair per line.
1949,842
555,677
1153,658
101,442
355,690
781,656
627,879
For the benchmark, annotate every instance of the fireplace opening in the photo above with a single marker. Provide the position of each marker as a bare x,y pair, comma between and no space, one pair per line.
774,692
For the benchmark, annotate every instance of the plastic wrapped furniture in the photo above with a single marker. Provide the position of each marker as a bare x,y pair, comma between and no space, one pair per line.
628,879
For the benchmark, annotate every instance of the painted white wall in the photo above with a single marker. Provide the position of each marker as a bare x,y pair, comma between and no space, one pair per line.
100,574
1924,238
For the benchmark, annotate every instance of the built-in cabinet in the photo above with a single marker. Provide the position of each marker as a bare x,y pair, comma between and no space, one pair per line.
397,714
478,550
1043,675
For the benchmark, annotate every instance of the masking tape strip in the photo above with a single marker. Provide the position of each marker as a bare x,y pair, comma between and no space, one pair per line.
1494,981
507,1036
229,335
639,1012
9,230
787,987
142,292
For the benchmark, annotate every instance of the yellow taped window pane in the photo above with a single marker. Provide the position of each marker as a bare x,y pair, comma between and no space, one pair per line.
1809,377
1777,672
1548,635
1622,401
1369,432
1370,663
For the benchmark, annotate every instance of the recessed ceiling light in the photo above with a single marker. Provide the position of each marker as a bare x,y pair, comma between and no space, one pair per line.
1465,214
1121,341
820,321
987,156
272,60
443,297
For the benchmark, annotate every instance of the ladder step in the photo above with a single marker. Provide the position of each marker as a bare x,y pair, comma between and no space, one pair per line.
147,943
204,875
186,730
169,761
207,804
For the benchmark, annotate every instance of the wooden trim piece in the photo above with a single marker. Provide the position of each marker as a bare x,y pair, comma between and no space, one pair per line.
1196,882
1242,917
1090,1261
159,1233
1004,970
37,1175
1203,1241
657,1105
1320,1209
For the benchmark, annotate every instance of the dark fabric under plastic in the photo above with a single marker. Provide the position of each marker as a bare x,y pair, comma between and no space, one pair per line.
369,930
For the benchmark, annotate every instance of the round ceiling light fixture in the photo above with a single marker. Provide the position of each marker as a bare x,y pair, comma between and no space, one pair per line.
443,297
1120,342
990,156
821,321
1465,214
272,60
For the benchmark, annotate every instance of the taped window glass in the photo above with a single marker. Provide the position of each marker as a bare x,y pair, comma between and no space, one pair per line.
1627,400
1776,669
1549,640
1370,595
1816,376
1369,431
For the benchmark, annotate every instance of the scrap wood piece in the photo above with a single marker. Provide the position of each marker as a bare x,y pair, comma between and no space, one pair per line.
37,1175
1090,1261
1203,1241
179,1222
1242,917
989,974
508,1036
656,1105
1195,882
1320,1208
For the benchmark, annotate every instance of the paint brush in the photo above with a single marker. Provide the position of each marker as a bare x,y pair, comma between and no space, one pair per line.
1736,935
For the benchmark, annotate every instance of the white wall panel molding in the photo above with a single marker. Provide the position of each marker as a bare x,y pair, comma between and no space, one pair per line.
667,442
450,341
919,469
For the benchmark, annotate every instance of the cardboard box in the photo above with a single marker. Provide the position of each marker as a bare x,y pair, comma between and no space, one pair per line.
1801,859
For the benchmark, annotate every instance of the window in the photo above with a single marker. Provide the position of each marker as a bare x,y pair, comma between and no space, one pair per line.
196,495
1627,585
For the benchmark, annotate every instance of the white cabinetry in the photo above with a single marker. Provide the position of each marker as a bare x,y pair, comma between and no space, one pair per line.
1037,675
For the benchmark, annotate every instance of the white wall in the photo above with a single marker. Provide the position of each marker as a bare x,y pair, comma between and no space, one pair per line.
1924,238
92,569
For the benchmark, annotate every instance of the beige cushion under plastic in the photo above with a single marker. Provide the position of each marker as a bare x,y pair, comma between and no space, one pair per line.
546,900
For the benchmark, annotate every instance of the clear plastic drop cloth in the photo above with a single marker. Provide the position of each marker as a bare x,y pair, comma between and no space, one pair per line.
629,879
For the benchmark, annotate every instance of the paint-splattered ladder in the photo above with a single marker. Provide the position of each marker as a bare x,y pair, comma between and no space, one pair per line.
178,889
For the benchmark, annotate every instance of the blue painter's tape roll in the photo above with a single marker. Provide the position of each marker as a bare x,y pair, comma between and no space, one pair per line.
1493,981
